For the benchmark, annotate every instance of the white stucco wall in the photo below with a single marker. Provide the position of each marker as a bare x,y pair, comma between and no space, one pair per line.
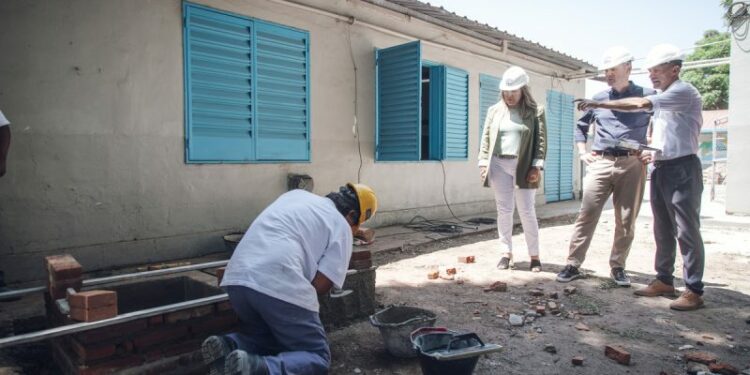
738,151
94,91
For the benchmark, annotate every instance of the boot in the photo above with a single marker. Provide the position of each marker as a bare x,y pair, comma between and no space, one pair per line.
688,301
655,289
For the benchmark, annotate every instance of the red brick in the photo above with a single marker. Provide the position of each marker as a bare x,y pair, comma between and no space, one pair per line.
466,259
723,369
361,255
577,361
450,271
92,352
701,357
196,312
497,286
117,330
360,264
618,354
63,267
93,299
432,275
92,315
156,320
223,306
58,288
214,324
111,366
220,274
159,336
126,347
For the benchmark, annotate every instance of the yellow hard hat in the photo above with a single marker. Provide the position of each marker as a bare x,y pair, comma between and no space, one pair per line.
368,202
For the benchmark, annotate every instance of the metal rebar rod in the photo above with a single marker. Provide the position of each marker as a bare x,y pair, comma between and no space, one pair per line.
127,276
123,318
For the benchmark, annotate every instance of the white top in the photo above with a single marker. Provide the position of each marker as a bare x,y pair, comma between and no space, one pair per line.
677,120
510,132
296,236
3,121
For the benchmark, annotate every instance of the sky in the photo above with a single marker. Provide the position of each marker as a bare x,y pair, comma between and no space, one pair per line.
585,28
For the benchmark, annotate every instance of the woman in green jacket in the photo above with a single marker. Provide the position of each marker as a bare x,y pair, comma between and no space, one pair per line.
511,157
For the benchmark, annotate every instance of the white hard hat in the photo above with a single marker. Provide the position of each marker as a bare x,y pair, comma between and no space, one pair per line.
615,56
513,79
663,53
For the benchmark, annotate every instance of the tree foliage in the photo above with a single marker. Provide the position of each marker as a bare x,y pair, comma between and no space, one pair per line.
712,82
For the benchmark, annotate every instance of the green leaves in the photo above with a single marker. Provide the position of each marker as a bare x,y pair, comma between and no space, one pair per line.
712,82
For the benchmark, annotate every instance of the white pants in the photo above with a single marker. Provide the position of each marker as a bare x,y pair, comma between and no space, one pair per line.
503,181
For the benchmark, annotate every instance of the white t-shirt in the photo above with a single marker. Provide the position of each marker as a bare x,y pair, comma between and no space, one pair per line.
3,121
677,120
296,236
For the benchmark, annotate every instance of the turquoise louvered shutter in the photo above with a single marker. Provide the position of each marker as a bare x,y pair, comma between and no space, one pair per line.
219,120
397,102
489,95
282,87
456,114
566,146
558,176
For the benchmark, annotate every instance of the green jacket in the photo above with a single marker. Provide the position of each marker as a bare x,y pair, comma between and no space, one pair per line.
533,142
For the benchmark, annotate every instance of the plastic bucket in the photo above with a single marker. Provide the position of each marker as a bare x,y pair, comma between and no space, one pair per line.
445,352
396,323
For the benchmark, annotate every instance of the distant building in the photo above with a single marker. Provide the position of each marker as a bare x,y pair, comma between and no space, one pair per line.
714,122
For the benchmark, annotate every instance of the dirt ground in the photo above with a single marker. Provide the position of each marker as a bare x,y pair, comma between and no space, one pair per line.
645,327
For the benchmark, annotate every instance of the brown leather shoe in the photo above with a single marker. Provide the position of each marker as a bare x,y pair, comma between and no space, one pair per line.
688,301
655,289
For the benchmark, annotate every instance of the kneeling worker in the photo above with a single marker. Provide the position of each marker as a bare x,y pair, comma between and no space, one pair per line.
298,248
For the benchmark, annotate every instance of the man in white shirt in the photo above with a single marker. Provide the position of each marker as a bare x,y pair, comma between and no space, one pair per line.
299,247
677,180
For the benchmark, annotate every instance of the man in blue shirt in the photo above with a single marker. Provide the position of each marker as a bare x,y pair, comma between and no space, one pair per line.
610,170
677,180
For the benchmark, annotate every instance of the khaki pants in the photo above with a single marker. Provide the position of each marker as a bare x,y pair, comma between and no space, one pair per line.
622,177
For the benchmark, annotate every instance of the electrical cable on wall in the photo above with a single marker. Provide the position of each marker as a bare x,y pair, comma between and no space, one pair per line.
738,15
356,118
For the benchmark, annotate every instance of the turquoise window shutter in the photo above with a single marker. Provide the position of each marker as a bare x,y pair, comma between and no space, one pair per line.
456,114
566,146
436,113
552,163
397,102
489,95
282,87
218,75
558,176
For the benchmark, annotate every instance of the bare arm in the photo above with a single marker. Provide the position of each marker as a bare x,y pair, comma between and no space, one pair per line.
4,146
633,104
321,283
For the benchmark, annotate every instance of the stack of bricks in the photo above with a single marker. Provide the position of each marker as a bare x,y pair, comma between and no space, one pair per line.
93,305
155,344
63,272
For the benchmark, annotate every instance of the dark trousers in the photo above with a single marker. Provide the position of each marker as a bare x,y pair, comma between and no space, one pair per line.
676,188
290,338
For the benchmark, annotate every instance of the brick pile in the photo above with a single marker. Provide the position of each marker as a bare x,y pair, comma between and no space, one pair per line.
143,341
63,272
93,305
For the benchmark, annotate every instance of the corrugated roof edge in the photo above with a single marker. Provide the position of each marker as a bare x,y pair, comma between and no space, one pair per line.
487,33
